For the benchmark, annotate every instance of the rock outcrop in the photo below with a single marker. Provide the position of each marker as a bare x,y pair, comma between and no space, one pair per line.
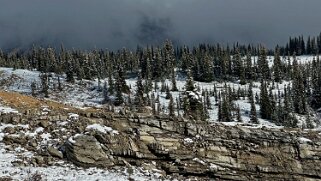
206,151
174,147
84,150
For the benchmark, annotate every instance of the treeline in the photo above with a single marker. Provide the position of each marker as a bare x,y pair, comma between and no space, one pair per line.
300,46
205,63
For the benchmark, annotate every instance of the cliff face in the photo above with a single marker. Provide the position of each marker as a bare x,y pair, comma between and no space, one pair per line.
208,151
169,147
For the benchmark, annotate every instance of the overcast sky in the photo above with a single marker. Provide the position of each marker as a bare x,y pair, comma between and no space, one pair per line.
125,23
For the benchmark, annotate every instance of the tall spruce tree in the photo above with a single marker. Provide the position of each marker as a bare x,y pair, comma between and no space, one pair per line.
253,114
189,85
298,90
265,102
139,97
277,66
263,64
171,107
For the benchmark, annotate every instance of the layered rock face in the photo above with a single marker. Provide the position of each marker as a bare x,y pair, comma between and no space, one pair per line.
176,147
201,150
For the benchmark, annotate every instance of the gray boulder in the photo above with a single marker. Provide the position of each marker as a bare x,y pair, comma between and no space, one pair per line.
84,150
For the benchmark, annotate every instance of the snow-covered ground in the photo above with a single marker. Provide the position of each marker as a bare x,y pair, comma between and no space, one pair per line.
64,171
6,109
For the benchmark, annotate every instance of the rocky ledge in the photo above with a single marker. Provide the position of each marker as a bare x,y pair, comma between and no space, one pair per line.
173,147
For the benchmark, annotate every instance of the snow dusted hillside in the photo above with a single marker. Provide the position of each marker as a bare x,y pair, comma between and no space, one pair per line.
86,93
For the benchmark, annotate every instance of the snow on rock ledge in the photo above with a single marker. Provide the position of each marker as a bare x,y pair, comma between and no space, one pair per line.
73,116
101,128
304,140
7,110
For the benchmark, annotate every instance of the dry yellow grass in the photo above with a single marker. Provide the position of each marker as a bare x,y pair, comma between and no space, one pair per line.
24,102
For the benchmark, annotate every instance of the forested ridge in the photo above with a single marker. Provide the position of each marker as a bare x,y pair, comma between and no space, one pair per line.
244,64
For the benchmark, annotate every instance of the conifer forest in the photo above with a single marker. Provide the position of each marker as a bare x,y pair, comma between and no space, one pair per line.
201,83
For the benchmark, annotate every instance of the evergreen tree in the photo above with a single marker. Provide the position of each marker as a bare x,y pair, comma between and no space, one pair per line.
45,84
263,65
186,106
139,97
174,86
237,63
316,84
249,69
253,115
298,90
186,61
119,88
59,84
120,81
226,112
119,96
105,93
189,85
171,107
110,84
155,85
242,74
69,72
277,65
208,101
265,102
168,94
207,74
33,89
168,57
238,114
153,104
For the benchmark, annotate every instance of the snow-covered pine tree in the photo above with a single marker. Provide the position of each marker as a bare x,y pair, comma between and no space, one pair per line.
249,73
110,84
189,85
263,65
238,114
105,93
173,79
171,107
69,69
33,89
298,90
139,96
44,84
277,65
253,114
265,102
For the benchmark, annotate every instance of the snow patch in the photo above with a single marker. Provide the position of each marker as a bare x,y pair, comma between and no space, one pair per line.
199,161
188,140
7,110
213,167
304,140
101,128
71,139
73,116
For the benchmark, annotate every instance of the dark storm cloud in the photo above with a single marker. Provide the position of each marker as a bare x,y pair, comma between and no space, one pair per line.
126,23
153,30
